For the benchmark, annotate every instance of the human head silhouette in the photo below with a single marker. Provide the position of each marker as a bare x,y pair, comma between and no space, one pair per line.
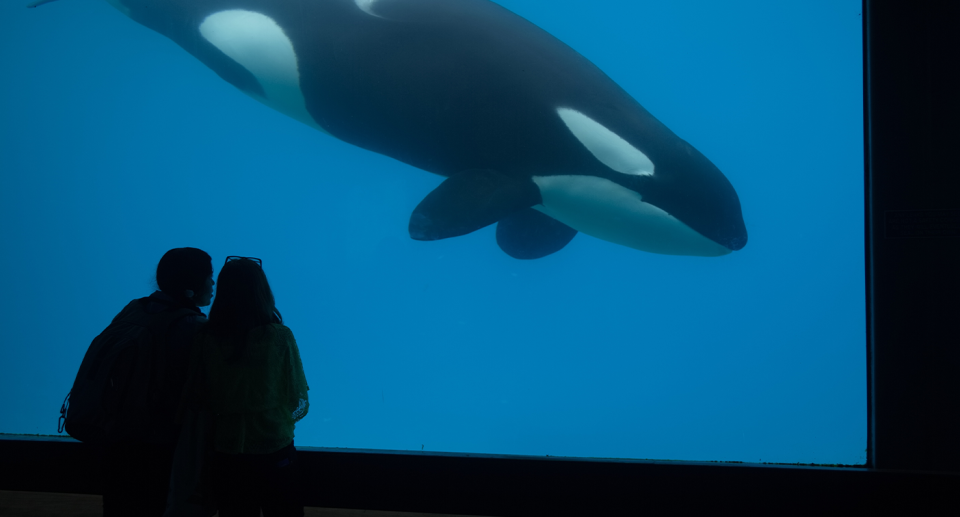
186,275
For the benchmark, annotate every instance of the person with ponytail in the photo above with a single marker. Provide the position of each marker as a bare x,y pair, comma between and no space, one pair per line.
250,377
137,466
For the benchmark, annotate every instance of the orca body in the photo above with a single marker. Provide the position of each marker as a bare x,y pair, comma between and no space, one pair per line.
529,134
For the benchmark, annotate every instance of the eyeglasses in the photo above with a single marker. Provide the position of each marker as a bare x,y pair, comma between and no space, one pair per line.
234,257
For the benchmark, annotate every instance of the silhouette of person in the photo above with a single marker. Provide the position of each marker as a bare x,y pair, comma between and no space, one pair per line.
251,378
137,468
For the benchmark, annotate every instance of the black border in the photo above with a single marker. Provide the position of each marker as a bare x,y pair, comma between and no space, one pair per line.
911,128
491,485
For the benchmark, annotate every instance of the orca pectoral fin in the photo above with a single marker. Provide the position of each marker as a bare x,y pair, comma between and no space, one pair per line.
468,201
531,234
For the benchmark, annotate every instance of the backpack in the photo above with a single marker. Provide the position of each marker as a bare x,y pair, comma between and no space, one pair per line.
121,390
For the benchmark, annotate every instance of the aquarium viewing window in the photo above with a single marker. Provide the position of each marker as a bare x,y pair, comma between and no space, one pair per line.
449,377
118,145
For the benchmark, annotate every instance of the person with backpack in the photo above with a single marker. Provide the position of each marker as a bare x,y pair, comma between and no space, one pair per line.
126,395
247,372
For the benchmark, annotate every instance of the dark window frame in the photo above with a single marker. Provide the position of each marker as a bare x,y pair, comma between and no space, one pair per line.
913,356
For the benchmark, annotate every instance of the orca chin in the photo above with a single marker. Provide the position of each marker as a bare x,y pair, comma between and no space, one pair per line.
614,213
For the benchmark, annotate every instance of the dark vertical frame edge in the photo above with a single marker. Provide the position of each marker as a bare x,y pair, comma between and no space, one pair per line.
868,236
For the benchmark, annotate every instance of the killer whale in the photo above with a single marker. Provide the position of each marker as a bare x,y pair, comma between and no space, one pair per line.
529,134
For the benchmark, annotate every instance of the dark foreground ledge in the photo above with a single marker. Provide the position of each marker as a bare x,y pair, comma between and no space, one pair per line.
478,484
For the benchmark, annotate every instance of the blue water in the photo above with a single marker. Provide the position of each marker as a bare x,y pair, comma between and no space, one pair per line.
116,145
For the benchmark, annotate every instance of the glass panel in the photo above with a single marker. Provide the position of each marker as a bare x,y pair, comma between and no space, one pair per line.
117,145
